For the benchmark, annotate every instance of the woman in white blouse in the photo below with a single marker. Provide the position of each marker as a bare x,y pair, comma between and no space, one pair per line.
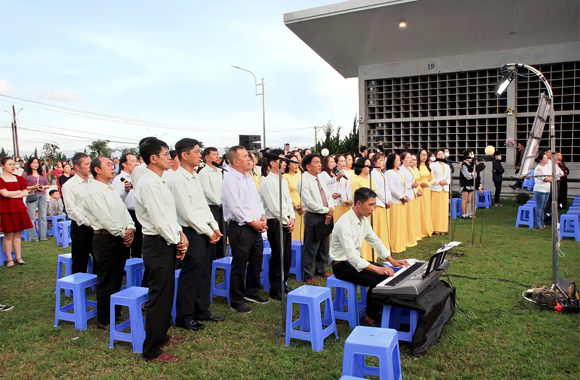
345,202
384,202
397,213
406,170
440,194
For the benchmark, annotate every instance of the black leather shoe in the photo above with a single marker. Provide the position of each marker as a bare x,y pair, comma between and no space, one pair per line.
214,318
103,326
191,325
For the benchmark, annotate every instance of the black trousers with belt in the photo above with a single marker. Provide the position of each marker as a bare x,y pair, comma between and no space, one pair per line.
314,253
194,280
247,252
217,250
110,254
136,246
275,267
343,270
158,258
82,246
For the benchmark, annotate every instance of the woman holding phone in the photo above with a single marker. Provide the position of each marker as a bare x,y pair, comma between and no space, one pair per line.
37,183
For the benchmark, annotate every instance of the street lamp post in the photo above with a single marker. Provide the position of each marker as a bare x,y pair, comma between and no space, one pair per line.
263,103
15,145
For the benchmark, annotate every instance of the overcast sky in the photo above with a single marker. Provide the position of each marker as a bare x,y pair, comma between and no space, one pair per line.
163,62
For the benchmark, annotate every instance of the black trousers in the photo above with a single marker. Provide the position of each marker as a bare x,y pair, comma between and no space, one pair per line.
247,252
343,270
136,246
110,254
217,250
194,280
158,258
314,253
497,185
82,246
275,267
563,194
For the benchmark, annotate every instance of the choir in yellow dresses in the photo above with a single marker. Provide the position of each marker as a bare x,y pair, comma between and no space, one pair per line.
425,181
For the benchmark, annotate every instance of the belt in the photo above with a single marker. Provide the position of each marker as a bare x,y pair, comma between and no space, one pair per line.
314,213
333,262
102,232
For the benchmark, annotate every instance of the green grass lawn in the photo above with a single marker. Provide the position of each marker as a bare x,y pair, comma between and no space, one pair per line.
495,334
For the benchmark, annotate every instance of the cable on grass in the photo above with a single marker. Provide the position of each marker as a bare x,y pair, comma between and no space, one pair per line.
489,278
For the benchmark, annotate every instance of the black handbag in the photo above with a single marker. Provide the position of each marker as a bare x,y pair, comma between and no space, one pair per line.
32,196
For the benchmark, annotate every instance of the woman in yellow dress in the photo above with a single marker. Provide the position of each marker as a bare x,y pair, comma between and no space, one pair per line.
362,178
255,171
293,176
426,179
398,211
343,187
412,207
349,160
380,215
440,194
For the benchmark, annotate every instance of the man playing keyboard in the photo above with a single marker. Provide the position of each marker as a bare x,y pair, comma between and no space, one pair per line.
347,264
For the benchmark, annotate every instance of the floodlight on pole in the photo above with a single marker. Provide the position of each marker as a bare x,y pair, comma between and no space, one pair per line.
509,71
263,102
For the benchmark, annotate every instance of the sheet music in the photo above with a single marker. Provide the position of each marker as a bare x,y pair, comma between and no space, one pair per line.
448,246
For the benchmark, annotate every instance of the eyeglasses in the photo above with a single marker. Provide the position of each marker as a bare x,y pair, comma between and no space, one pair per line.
166,154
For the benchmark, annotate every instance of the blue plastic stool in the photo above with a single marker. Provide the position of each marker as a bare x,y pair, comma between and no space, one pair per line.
574,210
78,283
53,220
296,265
64,261
346,297
133,298
525,216
63,233
265,274
310,322
483,200
370,341
174,309
24,235
134,271
570,226
351,378
222,289
394,316
529,182
455,207
3,256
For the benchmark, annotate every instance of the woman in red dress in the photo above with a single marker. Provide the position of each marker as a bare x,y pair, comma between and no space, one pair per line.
13,213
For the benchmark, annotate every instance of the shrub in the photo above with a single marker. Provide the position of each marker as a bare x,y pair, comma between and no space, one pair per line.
522,198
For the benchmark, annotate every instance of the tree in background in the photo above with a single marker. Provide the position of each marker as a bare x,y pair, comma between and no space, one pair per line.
51,154
99,148
334,144
134,151
4,153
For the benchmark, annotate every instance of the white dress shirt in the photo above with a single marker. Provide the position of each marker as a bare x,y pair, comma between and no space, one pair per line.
381,188
397,185
270,194
155,208
310,194
119,186
440,171
74,192
240,200
348,235
191,206
137,173
106,211
211,181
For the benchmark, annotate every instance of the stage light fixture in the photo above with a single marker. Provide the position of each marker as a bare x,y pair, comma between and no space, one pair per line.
489,150
402,24
504,82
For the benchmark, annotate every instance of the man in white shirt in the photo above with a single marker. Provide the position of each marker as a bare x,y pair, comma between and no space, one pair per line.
124,189
81,233
270,195
139,169
201,230
347,237
211,181
163,241
113,234
317,199
244,213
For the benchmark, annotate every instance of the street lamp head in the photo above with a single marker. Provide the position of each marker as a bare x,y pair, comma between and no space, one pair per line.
508,74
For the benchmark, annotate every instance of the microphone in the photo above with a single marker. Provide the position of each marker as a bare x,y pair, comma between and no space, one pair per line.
335,171
274,157
218,166
355,165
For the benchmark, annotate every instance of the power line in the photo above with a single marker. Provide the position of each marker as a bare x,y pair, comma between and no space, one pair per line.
77,131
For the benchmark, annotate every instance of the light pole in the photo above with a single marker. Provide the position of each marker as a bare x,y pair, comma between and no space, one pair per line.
15,146
263,103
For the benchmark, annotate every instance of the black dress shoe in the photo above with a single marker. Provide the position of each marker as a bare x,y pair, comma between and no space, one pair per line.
103,326
214,318
191,325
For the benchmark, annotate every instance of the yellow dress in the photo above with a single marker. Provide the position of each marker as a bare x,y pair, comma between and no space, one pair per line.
257,178
397,213
293,181
356,183
440,209
425,176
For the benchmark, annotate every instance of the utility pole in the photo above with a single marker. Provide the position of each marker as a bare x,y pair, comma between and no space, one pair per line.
16,148
315,136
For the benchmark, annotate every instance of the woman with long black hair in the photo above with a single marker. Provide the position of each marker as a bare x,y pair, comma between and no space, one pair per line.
37,183
397,213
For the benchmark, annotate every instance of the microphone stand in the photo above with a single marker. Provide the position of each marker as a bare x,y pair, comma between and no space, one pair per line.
224,224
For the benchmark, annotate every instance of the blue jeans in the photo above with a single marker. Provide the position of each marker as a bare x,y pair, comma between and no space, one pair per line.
42,205
541,200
